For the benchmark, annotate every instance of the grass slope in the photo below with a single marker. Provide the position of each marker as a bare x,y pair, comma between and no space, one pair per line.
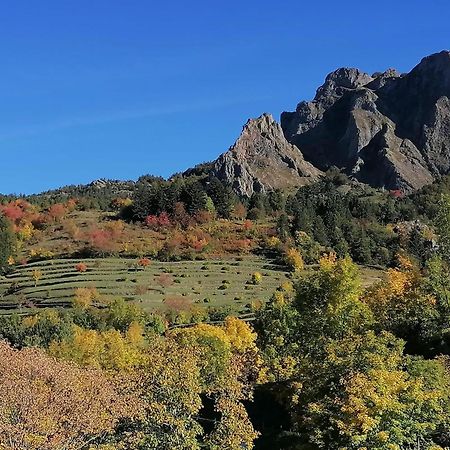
213,282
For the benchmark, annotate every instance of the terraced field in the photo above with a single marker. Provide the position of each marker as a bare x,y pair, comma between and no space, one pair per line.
213,282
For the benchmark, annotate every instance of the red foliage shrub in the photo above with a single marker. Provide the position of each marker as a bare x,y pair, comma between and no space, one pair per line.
13,212
238,245
144,262
81,267
100,240
158,222
247,225
396,193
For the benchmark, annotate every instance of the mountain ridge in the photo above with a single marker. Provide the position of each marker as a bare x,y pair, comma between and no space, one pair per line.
357,122
388,130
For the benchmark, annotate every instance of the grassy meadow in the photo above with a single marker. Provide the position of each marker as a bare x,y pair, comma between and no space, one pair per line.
214,282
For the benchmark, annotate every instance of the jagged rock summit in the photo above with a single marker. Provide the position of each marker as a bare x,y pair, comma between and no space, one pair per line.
262,160
386,129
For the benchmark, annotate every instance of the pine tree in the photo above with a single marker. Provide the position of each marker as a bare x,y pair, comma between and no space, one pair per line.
7,242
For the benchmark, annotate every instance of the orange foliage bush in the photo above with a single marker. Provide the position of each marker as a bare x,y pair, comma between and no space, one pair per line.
144,262
81,267
56,212
247,225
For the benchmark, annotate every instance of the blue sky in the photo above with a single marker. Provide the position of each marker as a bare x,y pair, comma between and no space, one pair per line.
117,89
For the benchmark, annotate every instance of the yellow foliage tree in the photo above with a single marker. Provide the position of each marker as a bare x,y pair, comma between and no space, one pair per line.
293,259
102,349
85,297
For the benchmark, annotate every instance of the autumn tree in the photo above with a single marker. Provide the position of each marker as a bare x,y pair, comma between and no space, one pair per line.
51,405
293,259
278,338
239,211
37,275
256,278
228,368
85,297
57,211
144,262
81,267
405,302
365,393
120,315
109,349
344,384
329,303
170,387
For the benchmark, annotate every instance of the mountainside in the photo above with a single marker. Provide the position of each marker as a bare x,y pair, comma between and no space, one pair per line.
386,129
262,160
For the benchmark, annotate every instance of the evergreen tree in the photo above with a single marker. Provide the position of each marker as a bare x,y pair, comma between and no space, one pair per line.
222,196
276,200
7,242
194,197
283,230
443,226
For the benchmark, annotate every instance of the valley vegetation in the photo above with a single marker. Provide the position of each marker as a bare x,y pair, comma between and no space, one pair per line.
310,356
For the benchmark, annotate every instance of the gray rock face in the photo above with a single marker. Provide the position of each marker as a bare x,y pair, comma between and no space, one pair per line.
262,160
388,130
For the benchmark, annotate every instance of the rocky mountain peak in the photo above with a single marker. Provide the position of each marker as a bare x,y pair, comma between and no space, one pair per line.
388,130
338,82
435,62
344,77
262,160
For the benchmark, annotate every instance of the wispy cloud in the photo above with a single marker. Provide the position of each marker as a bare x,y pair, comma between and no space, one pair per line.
119,115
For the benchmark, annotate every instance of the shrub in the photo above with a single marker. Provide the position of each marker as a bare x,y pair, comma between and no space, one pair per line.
80,267
256,278
144,262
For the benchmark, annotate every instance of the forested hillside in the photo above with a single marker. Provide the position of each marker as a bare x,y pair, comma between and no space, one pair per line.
178,315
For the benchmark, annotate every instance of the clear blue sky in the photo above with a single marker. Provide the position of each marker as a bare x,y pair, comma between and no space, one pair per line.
117,89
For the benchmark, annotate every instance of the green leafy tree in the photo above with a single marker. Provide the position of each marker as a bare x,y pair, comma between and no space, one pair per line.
365,393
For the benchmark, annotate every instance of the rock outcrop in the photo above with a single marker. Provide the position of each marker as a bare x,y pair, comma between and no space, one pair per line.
386,129
262,160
